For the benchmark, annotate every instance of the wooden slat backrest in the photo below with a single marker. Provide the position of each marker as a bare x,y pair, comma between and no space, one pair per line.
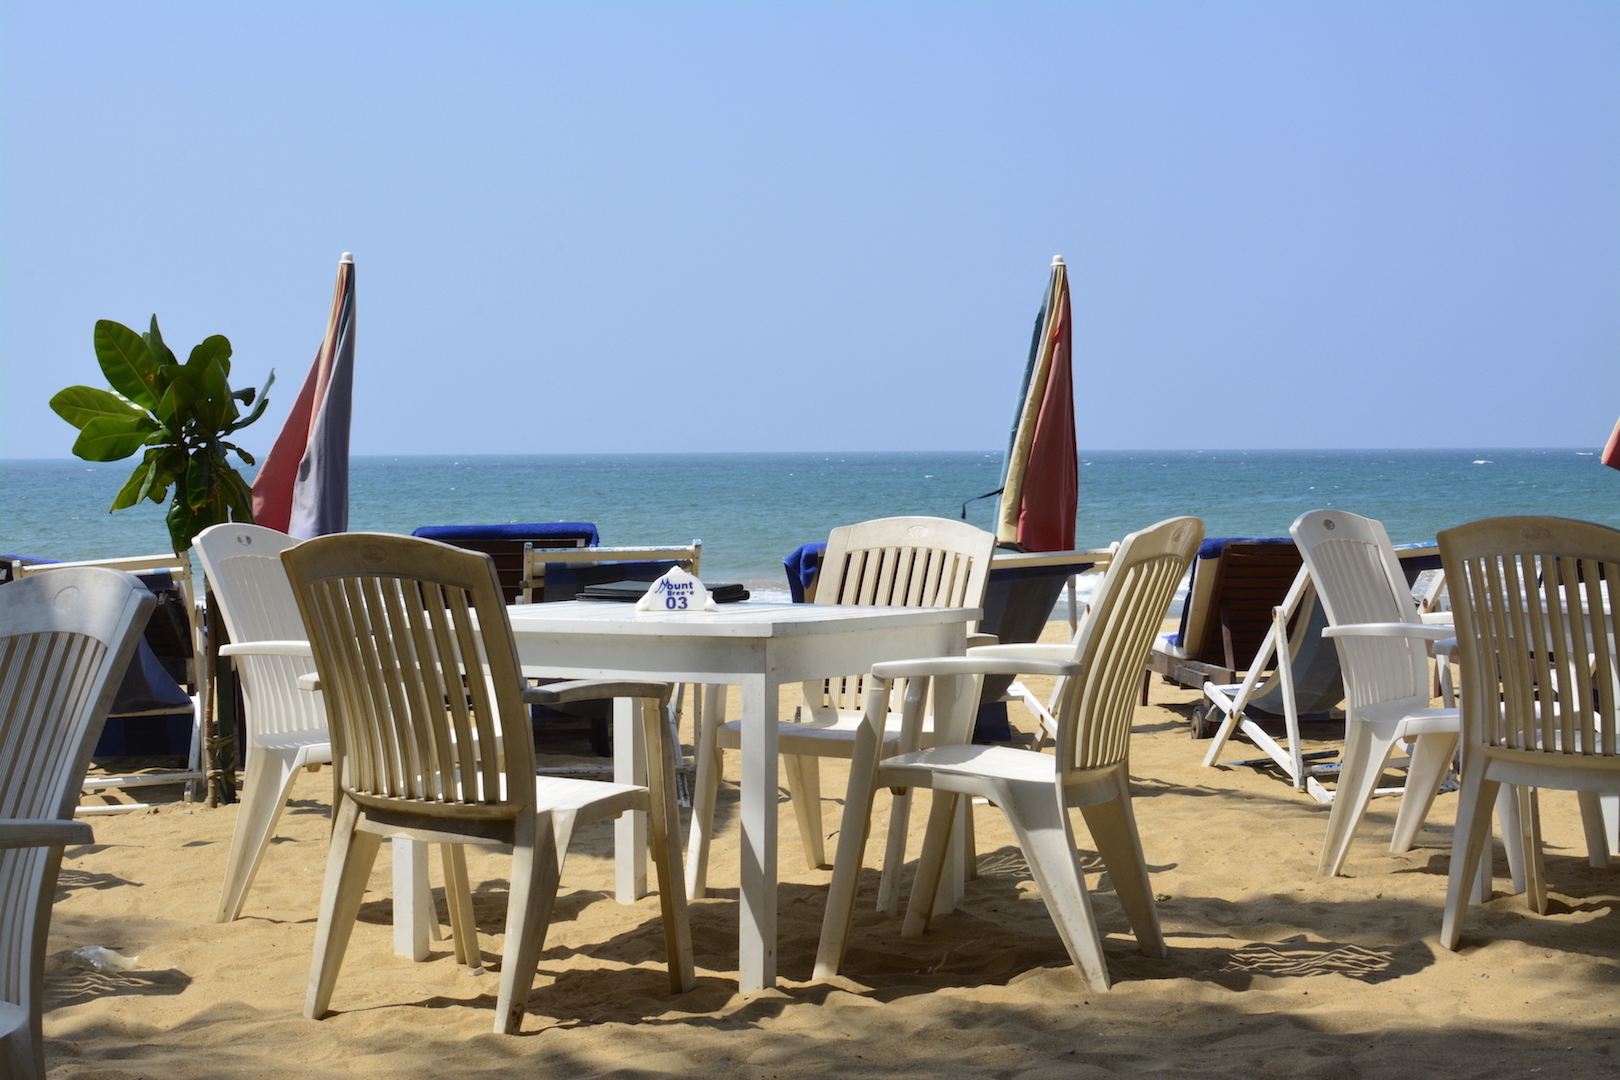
1094,716
899,562
1252,578
1536,637
421,679
65,639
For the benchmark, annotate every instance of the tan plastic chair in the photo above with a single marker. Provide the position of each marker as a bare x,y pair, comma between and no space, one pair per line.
65,639
899,562
431,740
1536,636
1090,768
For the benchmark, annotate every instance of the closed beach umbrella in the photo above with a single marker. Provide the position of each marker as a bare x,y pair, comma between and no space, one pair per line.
303,486
1040,480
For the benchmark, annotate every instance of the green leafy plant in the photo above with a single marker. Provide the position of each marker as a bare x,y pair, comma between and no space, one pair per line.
180,413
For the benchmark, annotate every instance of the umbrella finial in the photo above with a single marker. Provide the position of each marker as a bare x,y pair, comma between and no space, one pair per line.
348,257
1057,260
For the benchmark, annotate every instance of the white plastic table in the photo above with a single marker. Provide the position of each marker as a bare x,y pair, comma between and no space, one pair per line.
756,646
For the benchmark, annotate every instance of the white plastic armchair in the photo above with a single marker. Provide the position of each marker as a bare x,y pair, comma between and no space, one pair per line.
285,727
898,562
65,639
431,740
1089,769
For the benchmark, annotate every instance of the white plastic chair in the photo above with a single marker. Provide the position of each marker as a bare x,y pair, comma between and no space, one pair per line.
1089,768
1536,635
900,562
1381,640
285,727
431,740
65,639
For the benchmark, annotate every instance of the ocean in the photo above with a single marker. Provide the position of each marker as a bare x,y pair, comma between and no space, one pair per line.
751,510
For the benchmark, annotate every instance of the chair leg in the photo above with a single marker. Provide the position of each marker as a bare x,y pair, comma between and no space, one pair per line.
706,748
853,831
458,898
1535,866
664,844
931,866
348,866
528,911
1431,759
265,790
894,853
1597,841
804,785
1507,815
1113,829
1041,824
1366,748
1468,842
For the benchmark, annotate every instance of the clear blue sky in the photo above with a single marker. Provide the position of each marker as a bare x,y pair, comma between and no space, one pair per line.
807,226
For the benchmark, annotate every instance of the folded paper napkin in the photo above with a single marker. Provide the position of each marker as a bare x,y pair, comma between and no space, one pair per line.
677,590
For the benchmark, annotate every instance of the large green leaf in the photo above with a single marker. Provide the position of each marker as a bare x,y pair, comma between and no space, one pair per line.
131,492
154,341
199,482
175,407
79,405
182,525
238,496
217,347
167,467
128,363
109,438
221,408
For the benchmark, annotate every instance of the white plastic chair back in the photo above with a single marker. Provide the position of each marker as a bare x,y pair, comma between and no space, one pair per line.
403,630
1360,580
1094,718
899,562
65,639
243,566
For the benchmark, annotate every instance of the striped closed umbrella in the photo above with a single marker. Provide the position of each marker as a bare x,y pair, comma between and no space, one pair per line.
303,486
1040,480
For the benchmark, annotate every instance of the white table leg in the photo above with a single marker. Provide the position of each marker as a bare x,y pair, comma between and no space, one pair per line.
413,900
630,830
756,945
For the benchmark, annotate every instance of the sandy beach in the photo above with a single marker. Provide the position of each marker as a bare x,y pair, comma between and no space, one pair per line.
1272,971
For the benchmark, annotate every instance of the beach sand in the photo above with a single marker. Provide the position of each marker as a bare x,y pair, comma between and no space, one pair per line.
1272,972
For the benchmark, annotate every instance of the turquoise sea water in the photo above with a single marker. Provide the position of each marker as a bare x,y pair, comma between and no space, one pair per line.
750,510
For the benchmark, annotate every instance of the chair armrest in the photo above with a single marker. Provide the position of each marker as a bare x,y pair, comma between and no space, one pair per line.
981,641
1027,650
1391,629
267,648
37,832
593,690
973,665
1439,618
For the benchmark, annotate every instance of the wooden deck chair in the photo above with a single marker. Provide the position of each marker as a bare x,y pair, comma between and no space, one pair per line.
431,741
162,696
1089,770
1536,630
1233,587
65,639
903,562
